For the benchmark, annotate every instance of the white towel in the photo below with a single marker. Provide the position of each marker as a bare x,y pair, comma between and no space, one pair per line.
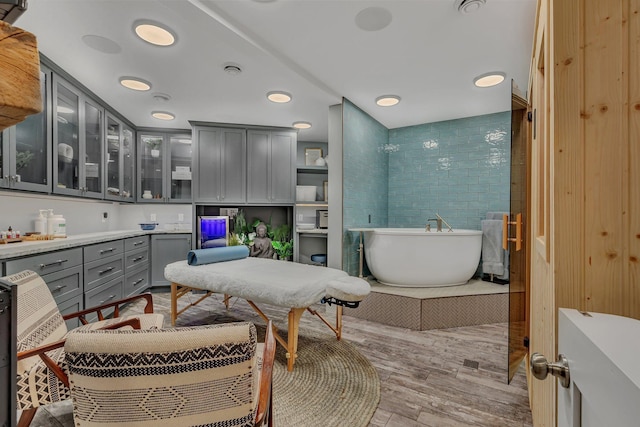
496,215
492,252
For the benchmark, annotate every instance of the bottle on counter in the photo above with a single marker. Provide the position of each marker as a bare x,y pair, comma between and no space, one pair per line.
40,224
57,226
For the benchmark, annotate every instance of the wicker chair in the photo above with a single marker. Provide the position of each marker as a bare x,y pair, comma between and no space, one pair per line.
213,375
41,332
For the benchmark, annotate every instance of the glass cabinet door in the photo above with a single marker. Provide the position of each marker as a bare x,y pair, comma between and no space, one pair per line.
32,152
151,153
92,164
180,183
119,169
128,164
66,135
113,157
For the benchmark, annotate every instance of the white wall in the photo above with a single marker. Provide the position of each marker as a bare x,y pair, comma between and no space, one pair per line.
20,209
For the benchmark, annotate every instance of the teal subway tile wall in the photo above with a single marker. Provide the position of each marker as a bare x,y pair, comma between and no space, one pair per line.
457,168
365,179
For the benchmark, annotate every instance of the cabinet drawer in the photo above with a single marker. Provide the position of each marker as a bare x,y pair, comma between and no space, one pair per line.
69,306
103,250
65,284
101,271
136,259
46,263
135,283
108,292
136,243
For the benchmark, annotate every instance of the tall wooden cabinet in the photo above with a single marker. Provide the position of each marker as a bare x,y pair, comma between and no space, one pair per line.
585,214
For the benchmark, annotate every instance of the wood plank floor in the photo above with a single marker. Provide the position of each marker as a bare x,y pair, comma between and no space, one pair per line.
424,380
442,378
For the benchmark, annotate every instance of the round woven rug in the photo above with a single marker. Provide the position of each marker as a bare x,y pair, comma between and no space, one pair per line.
331,384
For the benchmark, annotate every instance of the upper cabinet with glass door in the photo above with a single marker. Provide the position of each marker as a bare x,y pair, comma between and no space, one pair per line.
164,168
25,153
78,142
120,161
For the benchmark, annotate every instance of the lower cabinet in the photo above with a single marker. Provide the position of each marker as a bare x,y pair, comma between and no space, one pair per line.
90,275
165,249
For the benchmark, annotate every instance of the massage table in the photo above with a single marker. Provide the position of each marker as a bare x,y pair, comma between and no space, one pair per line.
280,283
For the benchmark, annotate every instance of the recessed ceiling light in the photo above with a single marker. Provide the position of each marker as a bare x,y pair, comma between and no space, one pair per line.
154,33
387,100
279,97
301,125
135,83
163,115
489,79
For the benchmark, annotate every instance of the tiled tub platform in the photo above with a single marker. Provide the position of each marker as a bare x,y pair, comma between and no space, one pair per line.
421,309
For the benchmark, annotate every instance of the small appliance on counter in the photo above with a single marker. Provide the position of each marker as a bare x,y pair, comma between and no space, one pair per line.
212,231
322,218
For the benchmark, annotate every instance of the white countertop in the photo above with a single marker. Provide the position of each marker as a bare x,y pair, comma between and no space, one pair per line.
26,248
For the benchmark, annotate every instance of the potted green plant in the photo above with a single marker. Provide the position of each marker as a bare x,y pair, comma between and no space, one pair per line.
284,250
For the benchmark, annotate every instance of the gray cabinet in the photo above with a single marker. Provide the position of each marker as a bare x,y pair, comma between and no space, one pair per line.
271,166
164,166
78,137
119,160
165,249
63,273
25,151
136,265
220,164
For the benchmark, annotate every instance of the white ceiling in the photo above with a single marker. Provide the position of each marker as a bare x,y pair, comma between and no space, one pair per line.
428,55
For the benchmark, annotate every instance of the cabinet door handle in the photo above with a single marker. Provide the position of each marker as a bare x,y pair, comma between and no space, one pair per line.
101,272
136,259
51,264
59,287
103,251
137,282
139,242
108,299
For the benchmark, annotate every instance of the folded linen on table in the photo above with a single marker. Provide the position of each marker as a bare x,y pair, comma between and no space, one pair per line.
492,251
219,254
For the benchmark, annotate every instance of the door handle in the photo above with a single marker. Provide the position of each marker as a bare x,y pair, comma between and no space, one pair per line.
505,232
540,368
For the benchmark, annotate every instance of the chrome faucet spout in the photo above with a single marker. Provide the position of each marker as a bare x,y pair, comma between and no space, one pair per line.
438,223
443,221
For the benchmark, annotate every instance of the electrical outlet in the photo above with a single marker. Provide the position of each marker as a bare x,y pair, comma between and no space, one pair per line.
180,217
152,217
232,212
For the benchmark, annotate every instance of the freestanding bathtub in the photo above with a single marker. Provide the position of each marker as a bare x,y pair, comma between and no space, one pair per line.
413,257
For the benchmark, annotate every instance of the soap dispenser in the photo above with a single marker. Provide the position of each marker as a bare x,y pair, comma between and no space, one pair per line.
41,223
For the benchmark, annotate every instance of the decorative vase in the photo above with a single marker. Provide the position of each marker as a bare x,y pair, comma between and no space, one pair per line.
155,153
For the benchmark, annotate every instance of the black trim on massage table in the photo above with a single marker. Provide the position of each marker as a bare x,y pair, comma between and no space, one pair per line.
332,300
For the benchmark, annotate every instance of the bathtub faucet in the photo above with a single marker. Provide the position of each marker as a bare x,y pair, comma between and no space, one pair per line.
438,224
443,221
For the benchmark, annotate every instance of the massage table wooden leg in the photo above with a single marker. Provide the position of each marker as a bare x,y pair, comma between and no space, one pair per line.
174,303
292,348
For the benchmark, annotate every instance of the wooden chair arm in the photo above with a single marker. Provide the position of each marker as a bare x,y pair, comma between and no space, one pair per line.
268,358
98,309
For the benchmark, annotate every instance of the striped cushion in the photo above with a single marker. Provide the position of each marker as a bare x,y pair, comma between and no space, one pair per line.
200,376
39,323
